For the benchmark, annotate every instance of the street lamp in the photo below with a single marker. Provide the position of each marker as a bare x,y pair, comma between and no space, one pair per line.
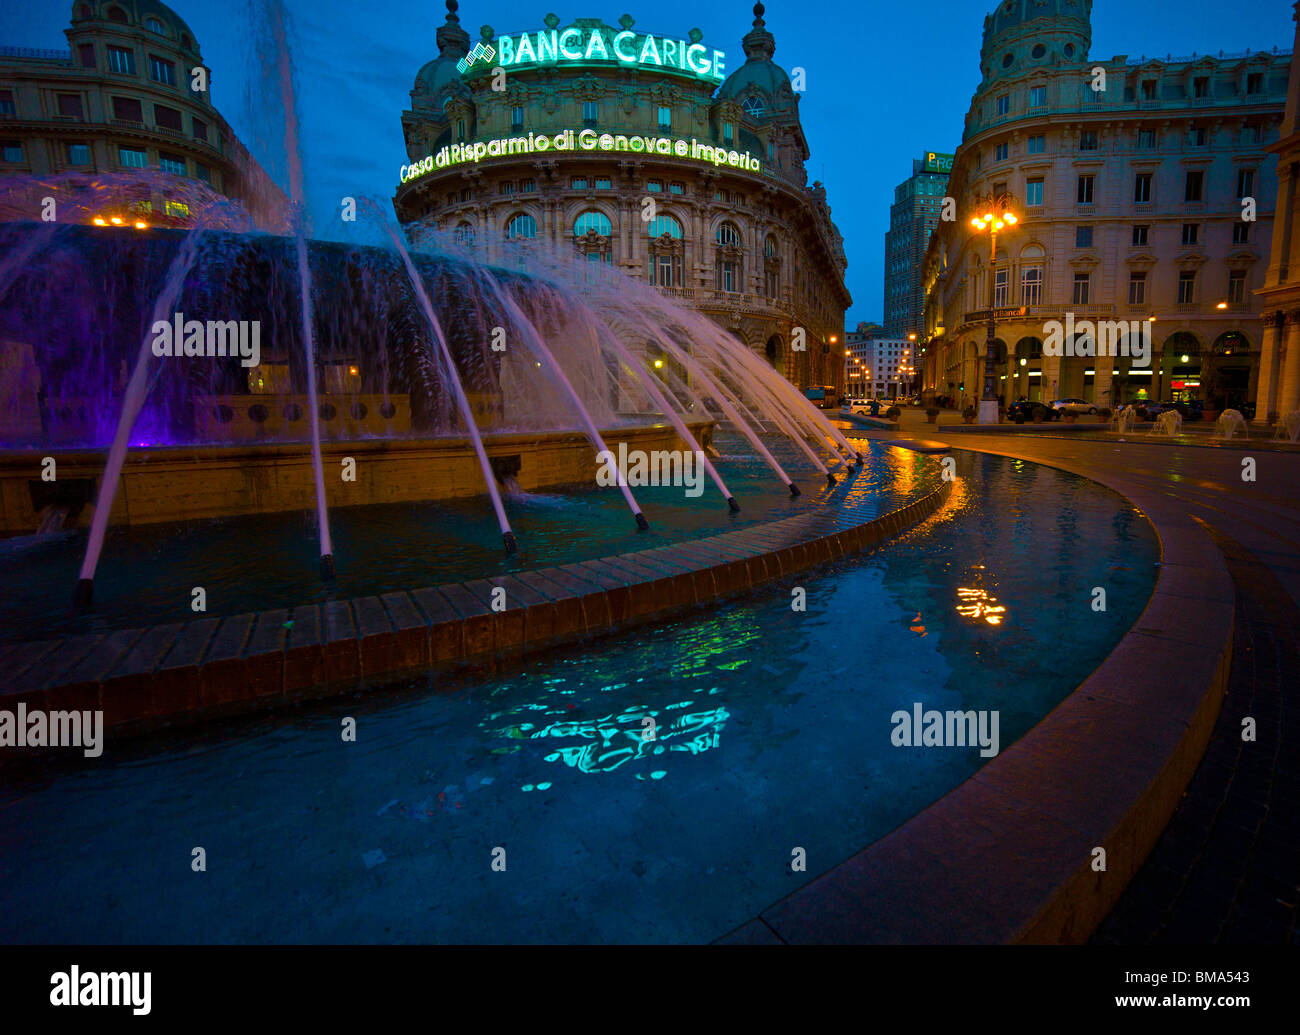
995,214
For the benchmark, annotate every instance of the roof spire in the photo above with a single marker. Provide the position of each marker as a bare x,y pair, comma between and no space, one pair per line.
451,37
759,44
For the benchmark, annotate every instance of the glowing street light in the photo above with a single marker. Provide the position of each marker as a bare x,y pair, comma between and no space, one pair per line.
997,215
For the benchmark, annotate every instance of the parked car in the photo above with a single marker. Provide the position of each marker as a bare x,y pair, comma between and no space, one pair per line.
1024,411
1149,409
1075,406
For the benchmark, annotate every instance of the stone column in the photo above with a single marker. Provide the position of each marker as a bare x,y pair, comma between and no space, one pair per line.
1270,368
1288,396
1101,381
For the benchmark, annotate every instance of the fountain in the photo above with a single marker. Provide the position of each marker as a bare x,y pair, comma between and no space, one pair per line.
1168,423
1289,427
1229,423
1125,419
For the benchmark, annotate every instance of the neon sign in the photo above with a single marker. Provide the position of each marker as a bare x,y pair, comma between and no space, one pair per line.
596,45
579,140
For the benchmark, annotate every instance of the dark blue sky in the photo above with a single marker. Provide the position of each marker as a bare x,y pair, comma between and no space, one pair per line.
884,83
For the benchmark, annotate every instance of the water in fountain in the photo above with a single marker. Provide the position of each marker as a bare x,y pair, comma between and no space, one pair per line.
1125,419
293,153
1168,423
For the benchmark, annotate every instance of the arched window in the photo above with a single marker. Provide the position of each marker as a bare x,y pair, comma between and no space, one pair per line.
521,226
727,267
753,107
769,248
593,220
771,267
116,14
154,25
661,225
464,233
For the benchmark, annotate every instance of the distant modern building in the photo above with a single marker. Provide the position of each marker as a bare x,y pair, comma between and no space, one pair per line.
587,123
1279,360
918,204
1133,180
120,100
877,367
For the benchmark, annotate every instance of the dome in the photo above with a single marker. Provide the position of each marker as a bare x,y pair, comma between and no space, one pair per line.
440,77
1020,34
137,13
759,73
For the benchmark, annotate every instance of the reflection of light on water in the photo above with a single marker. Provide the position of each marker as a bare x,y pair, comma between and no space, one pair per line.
977,604
620,737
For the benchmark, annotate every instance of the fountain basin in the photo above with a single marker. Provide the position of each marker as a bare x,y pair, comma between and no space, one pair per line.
179,483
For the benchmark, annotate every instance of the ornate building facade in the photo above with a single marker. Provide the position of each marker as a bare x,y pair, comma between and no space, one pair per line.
1279,371
121,100
576,133
1144,194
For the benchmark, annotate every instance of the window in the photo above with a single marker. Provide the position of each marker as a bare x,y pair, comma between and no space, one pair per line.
1140,232
1036,145
1081,288
1001,152
1146,139
12,150
1191,231
177,209
1186,287
603,183
200,129
464,233
171,163
1250,134
666,270
1198,137
460,130
517,117
728,132
1240,233
1201,86
1255,83
661,225
578,183
1137,289
128,109
154,25
78,154
1038,51
202,172
1195,188
1245,183
676,188
69,105
521,226
7,106
132,158
1236,286
1088,140
530,186
665,117
1084,195
753,107
161,70
728,236
1031,285
1083,237
1004,104
167,118
593,220
1037,96
1033,192
1142,188
655,186
590,114
1000,281
506,187
1148,89
121,60
86,54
